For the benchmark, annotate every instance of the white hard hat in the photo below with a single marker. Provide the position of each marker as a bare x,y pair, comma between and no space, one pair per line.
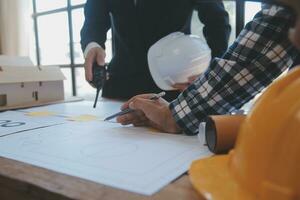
176,57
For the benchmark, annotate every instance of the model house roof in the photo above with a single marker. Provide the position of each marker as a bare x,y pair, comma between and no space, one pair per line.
23,74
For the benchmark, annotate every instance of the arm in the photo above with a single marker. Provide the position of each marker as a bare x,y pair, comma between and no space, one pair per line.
216,25
259,55
96,24
93,34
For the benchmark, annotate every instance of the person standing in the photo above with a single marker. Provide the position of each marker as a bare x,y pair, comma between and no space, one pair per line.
136,25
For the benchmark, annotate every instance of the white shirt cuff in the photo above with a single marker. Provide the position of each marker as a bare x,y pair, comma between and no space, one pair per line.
90,46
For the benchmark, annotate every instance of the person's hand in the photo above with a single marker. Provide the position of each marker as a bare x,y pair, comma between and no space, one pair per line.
94,55
154,113
183,86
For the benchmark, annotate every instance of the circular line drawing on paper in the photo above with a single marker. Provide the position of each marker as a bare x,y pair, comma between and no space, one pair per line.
9,123
4,121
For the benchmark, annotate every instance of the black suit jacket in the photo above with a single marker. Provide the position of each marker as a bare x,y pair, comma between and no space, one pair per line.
136,27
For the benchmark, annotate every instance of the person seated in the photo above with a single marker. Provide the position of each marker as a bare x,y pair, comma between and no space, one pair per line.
259,55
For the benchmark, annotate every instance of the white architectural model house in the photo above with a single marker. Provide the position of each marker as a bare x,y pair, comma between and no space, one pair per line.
26,86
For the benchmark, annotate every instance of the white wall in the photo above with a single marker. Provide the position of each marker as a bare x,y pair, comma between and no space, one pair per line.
15,27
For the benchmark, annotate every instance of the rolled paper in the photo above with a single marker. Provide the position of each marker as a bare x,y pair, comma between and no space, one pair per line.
221,132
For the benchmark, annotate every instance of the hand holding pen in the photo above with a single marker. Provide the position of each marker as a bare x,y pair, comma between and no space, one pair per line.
129,110
148,110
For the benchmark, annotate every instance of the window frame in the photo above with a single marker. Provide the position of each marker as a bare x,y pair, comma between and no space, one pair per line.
69,8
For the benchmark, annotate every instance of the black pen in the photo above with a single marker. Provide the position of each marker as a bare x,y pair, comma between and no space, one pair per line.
129,110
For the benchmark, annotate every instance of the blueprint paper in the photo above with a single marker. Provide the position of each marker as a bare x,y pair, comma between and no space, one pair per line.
73,109
12,122
129,158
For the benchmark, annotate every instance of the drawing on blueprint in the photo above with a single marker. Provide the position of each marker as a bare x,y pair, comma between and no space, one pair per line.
9,123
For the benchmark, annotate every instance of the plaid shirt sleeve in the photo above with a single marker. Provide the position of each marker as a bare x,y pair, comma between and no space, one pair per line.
259,55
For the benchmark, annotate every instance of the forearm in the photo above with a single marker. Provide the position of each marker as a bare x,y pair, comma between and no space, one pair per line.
259,55
96,24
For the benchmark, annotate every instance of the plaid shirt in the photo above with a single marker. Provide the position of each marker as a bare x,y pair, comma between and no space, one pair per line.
259,55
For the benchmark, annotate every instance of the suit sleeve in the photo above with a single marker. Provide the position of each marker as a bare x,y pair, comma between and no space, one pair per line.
96,24
216,25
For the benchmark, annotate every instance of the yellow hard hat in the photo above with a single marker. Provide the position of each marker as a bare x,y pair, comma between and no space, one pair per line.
265,164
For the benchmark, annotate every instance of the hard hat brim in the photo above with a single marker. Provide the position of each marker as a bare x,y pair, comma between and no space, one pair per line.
212,179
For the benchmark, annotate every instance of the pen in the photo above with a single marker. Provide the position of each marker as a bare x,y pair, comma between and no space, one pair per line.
129,110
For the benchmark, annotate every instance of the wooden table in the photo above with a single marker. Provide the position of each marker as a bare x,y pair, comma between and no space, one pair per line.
26,182
23,181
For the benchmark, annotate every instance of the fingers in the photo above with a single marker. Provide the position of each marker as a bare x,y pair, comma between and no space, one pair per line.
181,86
144,108
95,54
101,58
132,118
141,123
158,114
154,113
147,112
145,96
193,78
150,108
88,67
154,125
